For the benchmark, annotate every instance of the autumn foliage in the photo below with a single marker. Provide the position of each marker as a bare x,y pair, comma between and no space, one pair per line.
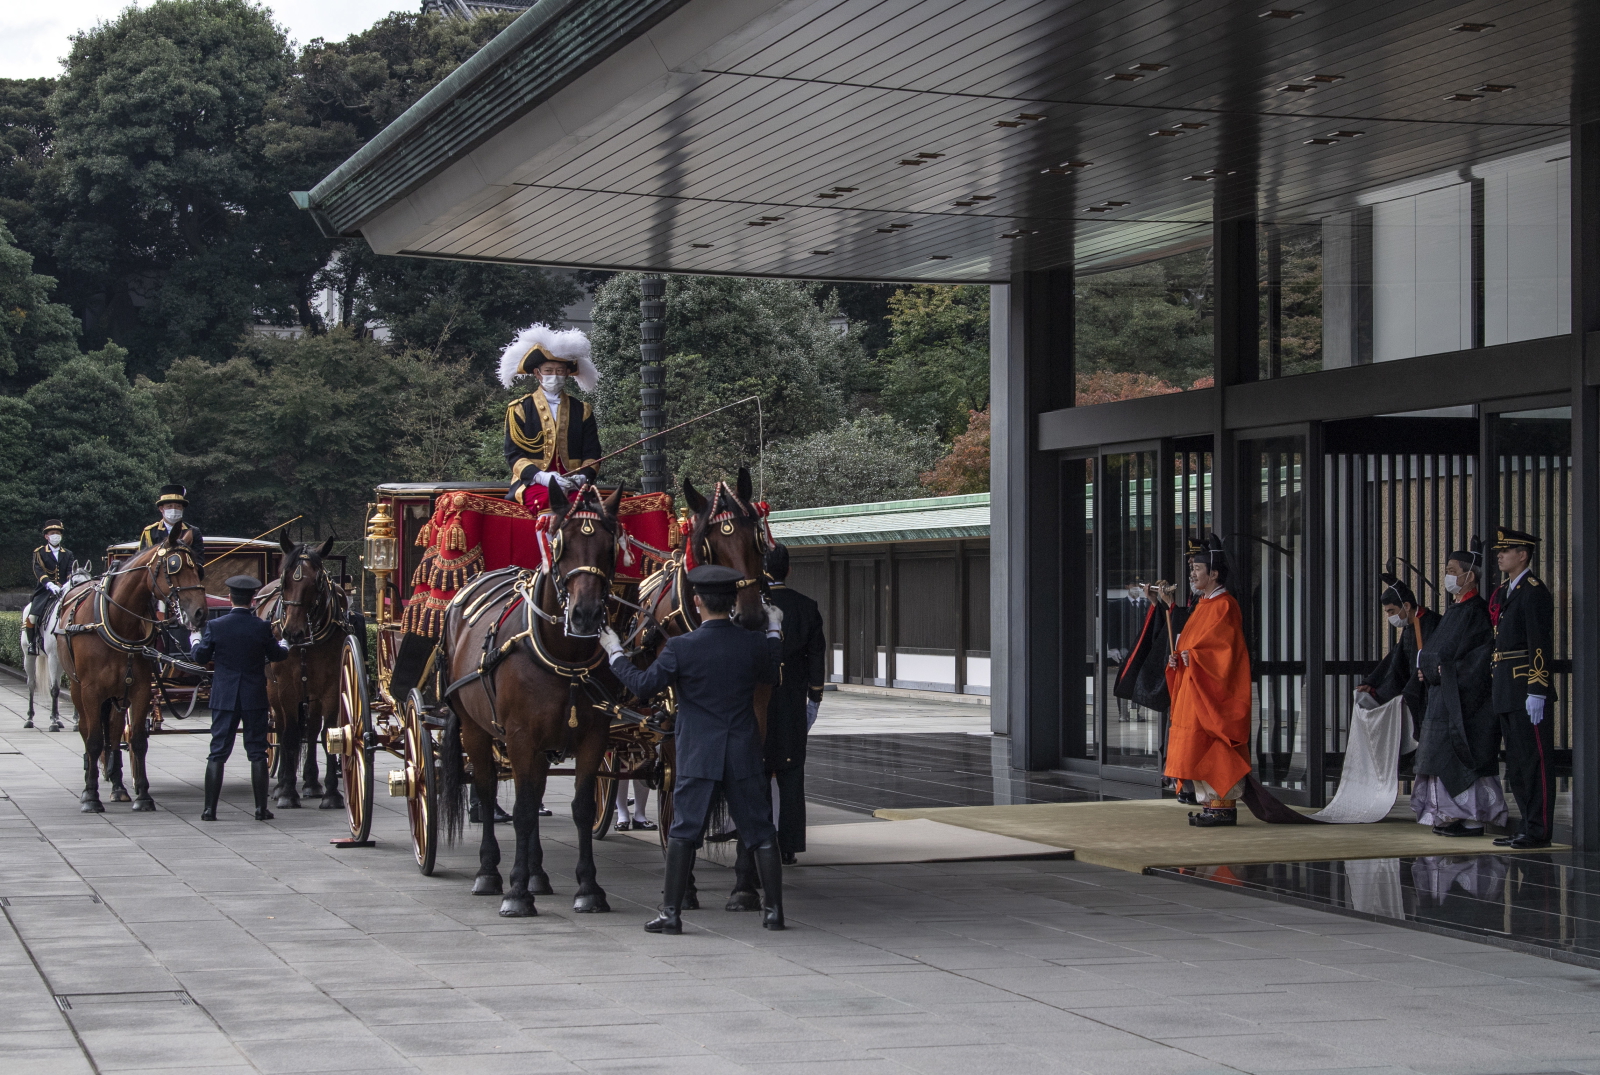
965,469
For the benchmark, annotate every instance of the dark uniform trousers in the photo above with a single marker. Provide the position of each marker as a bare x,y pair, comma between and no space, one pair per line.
1522,658
804,671
715,669
240,645
225,725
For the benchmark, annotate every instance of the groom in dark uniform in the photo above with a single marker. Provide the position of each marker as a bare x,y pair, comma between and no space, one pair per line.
1524,694
240,644
794,702
715,669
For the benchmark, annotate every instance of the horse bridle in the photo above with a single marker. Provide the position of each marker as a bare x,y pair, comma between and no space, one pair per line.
173,562
319,630
724,520
588,516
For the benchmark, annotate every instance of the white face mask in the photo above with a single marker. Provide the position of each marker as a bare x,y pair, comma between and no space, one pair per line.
551,381
54,540
172,515
1452,584
1396,621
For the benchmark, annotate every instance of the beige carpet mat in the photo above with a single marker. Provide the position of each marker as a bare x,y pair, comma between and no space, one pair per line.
872,844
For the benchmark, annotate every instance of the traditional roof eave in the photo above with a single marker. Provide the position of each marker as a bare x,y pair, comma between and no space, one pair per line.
940,518
555,42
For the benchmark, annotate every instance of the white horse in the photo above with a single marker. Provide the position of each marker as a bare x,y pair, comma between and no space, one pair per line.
40,659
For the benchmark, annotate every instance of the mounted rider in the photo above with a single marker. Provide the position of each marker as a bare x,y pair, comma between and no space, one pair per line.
171,503
550,435
52,565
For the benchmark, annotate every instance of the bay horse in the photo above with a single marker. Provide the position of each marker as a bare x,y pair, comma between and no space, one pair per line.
523,661
727,531
41,660
312,614
107,631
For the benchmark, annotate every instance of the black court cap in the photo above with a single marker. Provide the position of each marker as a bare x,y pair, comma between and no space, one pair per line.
1507,538
1208,550
715,579
244,584
1395,592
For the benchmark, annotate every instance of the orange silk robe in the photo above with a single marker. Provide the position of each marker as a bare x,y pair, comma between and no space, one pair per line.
1210,733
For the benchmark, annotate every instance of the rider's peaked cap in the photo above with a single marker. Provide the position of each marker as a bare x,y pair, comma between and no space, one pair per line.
54,524
715,579
173,494
244,584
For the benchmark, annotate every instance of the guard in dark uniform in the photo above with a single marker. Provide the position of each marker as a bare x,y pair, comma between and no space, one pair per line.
794,701
715,669
1523,613
1399,673
172,503
52,566
240,644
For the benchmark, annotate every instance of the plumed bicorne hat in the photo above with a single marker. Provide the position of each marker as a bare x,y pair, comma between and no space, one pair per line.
1395,591
541,343
1208,550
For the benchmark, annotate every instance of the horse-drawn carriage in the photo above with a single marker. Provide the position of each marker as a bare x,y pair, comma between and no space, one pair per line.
463,540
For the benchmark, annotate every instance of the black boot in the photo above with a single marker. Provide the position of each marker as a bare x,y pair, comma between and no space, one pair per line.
771,871
744,896
213,790
258,784
680,861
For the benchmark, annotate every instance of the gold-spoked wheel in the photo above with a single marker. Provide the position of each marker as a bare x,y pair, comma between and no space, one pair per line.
605,796
348,739
422,784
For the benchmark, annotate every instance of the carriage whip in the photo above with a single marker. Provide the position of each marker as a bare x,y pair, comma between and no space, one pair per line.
247,541
761,438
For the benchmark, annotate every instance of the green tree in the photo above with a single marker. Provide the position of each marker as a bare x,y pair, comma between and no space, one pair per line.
99,449
1151,320
726,338
169,200
19,505
869,458
937,362
36,335
27,140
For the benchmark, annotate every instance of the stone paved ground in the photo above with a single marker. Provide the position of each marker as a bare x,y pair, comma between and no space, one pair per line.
245,947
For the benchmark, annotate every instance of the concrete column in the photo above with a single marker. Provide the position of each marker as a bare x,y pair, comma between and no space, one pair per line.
1585,518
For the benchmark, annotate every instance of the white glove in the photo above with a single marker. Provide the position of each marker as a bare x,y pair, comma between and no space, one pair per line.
55,587
544,477
577,480
1535,708
194,639
610,643
774,618
811,713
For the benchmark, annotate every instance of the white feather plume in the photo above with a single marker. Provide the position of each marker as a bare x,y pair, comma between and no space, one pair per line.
569,343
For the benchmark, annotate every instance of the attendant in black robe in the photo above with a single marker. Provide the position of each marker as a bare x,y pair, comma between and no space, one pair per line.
794,701
1398,674
1457,788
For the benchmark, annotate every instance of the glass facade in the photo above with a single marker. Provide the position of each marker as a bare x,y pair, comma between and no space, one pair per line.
1144,330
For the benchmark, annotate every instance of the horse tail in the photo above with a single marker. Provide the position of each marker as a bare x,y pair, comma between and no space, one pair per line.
451,770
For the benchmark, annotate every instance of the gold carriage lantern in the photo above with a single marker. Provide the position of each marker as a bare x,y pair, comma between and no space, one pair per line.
382,548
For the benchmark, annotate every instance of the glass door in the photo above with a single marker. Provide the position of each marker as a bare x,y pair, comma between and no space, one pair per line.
1130,556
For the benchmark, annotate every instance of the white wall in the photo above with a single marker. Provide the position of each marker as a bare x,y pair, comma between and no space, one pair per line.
1422,273
1527,247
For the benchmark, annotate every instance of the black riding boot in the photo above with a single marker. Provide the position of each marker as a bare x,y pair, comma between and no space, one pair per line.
680,861
213,790
770,867
258,784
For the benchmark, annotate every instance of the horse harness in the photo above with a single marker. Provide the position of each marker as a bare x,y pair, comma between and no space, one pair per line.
167,566
334,607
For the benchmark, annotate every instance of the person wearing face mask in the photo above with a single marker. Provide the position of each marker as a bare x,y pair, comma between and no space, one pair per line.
1457,786
1208,679
550,435
52,565
1524,694
171,504
1399,673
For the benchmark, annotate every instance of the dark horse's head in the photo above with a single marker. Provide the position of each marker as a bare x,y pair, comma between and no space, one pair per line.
304,586
583,537
173,575
727,531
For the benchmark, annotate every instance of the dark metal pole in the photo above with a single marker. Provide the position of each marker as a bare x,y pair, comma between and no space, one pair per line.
652,382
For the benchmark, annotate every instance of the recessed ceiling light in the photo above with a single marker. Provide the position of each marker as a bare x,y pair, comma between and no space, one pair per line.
1099,209
757,223
1165,134
769,219
940,257
845,190
1148,67
963,203
914,163
1324,78
823,253
701,246
1016,234
1032,117
830,195
1008,123
1117,205
1473,27
1190,126
930,156
1294,87
1200,178
885,231
1495,87
983,197
1279,13
1463,97
899,227
1345,134
1124,76
1321,142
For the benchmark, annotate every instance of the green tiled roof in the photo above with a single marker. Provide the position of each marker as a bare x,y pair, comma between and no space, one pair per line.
932,519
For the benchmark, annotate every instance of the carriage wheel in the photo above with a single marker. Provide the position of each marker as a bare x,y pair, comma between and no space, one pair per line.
605,797
422,795
355,756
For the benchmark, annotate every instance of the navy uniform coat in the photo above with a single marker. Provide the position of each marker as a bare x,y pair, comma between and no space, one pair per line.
241,645
1523,646
715,669
805,652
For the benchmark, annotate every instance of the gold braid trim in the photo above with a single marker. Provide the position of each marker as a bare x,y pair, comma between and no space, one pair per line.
1535,672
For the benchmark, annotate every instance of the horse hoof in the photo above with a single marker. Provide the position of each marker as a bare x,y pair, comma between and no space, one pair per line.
487,884
540,886
595,904
334,801
144,806
120,795
518,907
55,725
28,723
287,802
311,791
93,806
744,901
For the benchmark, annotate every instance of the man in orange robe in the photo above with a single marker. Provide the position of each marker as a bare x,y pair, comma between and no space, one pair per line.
1208,677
